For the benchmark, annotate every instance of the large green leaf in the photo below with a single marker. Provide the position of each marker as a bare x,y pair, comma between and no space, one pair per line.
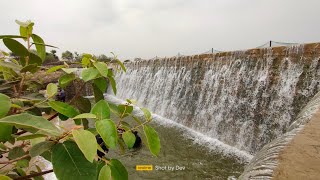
35,59
16,152
55,68
108,132
15,47
70,164
52,90
118,171
12,36
101,83
102,68
5,105
89,74
86,141
40,148
64,108
113,85
101,109
105,173
5,132
41,49
129,138
26,120
66,79
153,139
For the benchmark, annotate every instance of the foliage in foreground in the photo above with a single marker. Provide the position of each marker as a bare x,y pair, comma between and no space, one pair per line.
78,152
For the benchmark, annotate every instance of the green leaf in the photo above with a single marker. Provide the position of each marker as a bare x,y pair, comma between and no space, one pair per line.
64,108
129,138
3,177
66,79
102,68
35,59
15,47
86,141
24,32
113,85
147,114
69,163
55,68
118,171
101,110
108,132
83,104
98,95
89,74
85,116
63,117
42,44
20,172
5,105
47,155
41,49
40,148
28,137
121,64
16,152
69,70
124,110
33,68
52,90
137,120
105,173
11,65
12,36
101,83
23,163
26,120
85,61
5,132
153,139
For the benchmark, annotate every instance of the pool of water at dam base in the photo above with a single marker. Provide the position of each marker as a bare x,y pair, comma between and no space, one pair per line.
185,154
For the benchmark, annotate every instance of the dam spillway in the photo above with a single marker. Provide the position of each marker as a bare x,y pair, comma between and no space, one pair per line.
243,98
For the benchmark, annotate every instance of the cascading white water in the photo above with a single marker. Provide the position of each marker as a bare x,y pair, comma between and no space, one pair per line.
244,99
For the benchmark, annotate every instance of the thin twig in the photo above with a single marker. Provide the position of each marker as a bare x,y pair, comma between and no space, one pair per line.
34,175
15,160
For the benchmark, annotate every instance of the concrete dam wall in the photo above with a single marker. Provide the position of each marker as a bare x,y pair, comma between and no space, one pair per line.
244,98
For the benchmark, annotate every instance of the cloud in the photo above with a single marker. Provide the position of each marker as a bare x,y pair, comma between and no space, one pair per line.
148,28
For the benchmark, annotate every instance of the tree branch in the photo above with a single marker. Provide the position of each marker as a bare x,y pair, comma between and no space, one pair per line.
15,160
33,175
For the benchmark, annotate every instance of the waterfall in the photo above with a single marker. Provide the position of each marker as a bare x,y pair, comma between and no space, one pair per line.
244,98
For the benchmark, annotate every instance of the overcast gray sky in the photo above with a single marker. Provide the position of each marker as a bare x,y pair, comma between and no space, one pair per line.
148,28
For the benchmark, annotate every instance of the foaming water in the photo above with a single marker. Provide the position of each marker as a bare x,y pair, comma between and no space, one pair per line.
245,99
